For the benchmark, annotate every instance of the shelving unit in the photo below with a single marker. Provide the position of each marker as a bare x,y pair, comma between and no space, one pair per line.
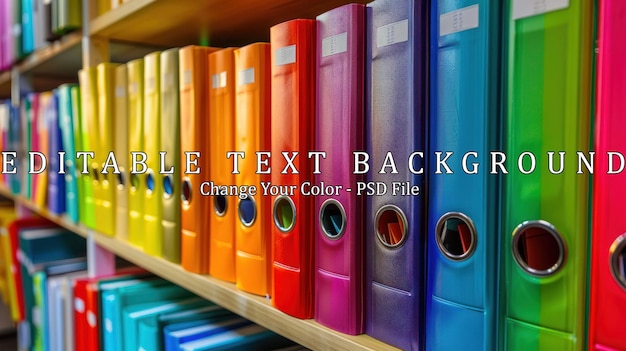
255,308
132,30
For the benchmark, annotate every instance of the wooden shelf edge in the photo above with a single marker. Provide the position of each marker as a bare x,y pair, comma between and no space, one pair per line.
55,48
259,310
100,24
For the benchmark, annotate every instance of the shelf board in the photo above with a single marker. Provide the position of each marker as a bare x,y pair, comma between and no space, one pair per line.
259,310
175,23
5,85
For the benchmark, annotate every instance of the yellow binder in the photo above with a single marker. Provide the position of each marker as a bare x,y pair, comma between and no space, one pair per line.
88,133
152,209
121,152
137,189
105,205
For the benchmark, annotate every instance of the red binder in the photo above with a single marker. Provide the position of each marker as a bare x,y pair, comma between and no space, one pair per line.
293,126
14,230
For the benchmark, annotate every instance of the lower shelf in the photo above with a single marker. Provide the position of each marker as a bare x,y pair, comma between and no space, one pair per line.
259,310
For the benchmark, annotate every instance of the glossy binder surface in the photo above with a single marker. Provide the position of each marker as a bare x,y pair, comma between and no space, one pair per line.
340,116
193,73
56,180
222,212
607,313
66,123
396,110
40,144
136,185
121,152
170,144
293,126
152,206
463,233
253,128
106,206
548,110
88,130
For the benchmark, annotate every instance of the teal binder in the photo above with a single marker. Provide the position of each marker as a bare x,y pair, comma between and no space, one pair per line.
136,314
114,301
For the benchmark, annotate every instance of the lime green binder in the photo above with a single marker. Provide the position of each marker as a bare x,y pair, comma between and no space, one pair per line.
88,143
546,214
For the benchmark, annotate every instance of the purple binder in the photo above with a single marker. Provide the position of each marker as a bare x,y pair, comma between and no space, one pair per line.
340,116
56,181
6,34
396,115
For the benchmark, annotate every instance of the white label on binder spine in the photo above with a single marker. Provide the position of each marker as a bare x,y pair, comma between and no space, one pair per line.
285,55
120,91
392,33
219,80
335,44
528,8
458,20
246,76
187,77
79,305
134,88
91,319
151,84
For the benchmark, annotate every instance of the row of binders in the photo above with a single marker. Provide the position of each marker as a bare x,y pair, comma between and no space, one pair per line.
63,309
28,25
476,261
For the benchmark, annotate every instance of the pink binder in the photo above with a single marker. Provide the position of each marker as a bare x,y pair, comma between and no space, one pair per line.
607,313
339,217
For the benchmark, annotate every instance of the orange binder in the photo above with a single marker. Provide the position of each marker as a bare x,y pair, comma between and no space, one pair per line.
252,134
293,126
105,210
41,119
222,215
137,188
194,157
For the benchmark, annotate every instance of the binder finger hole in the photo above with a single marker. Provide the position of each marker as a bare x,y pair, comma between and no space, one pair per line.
538,248
220,204
455,234
94,175
247,211
284,213
134,182
391,226
150,181
186,191
121,180
332,219
617,256
168,186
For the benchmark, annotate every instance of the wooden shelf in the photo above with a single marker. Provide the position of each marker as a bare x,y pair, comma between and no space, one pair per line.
5,85
308,333
175,23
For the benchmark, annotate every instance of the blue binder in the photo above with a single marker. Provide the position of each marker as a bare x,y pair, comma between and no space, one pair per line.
28,27
396,117
66,124
15,144
462,287
56,180
151,330
177,334
250,338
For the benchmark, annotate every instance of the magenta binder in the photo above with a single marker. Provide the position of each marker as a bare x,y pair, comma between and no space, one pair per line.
340,117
